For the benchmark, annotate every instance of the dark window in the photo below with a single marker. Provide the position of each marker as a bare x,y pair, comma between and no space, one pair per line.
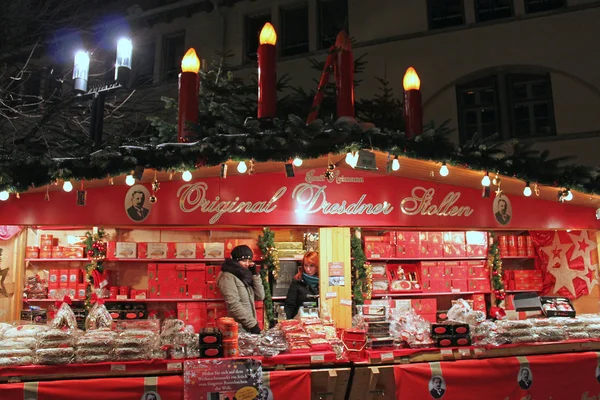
487,10
531,104
143,64
294,30
524,109
254,24
532,6
478,109
174,52
333,18
445,13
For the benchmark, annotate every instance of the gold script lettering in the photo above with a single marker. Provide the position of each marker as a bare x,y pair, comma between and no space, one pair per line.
420,203
192,196
313,198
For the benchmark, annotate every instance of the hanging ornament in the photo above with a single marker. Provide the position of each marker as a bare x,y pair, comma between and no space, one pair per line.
170,176
496,180
47,195
536,189
111,181
251,170
155,188
329,173
81,196
18,195
499,183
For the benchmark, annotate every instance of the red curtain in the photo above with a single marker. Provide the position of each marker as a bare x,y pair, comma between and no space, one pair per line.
568,260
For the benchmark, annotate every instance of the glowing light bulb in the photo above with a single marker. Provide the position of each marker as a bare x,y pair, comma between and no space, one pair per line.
242,167
444,170
485,181
297,162
395,164
130,180
4,195
186,176
569,196
67,186
527,190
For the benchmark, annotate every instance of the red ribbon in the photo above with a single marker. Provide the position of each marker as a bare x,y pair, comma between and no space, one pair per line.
497,312
65,299
94,299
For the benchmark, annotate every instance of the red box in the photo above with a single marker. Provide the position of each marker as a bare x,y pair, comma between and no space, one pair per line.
438,271
478,272
478,285
512,246
426,268
503,245
460,285
192,314
475,250
152,281
379,250
454,238
230,244
460,272
530,248
430,317
196,280
214,311
63,278
80,290
53,278
161,250
408,250
455,250
212,272
407,237
435,251
440,285
426,285
435,238
424,306
74,276
212,290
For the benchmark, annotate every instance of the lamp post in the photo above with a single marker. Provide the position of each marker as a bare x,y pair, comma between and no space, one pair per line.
81,70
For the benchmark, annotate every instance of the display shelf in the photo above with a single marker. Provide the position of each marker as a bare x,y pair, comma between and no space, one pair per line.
522,291
122,301
57,260
423,294
517,257
429,259
172,260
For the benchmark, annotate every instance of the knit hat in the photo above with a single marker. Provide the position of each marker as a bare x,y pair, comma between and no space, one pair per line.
241,252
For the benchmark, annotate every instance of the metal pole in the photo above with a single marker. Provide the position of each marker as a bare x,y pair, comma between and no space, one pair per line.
97,120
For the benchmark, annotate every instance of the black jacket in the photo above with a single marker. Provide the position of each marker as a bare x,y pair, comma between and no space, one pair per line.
298,294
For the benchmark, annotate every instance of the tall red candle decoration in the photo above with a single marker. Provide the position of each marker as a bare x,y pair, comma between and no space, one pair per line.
344,76
267,72
413,105
189,84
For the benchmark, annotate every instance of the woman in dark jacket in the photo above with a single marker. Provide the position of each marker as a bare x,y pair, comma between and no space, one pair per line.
304,284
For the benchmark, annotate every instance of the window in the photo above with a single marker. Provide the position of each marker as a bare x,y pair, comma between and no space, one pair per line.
532,108
487,10
174,52
532,6
294,30
254,24
332,18
478,107
512,105
143,64
445,13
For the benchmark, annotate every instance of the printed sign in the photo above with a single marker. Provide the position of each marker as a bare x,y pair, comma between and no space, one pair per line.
221,379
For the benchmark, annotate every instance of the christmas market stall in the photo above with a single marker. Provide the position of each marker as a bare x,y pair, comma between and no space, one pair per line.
443,271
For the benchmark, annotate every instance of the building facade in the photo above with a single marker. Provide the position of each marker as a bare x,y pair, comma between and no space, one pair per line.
521,69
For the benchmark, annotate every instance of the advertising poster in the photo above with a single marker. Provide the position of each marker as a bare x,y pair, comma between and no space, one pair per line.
222,379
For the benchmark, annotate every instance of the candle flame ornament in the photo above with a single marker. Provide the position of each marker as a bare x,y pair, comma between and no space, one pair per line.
267,72
189,85
413,103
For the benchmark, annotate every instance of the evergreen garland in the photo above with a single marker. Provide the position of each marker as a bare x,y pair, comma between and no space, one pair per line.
359,271
495,264
270,267
95,250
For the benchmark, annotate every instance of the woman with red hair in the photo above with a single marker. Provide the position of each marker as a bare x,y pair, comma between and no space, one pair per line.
304,284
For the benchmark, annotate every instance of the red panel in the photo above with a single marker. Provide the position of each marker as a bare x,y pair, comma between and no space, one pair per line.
354,198
552,376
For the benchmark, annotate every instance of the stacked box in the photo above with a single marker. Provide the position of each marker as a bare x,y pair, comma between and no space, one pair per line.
449,334
192,313
211,343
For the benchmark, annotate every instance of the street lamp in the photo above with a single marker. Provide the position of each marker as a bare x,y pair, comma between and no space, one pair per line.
81,69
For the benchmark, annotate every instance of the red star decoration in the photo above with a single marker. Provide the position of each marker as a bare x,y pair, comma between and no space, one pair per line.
590,274
583,245
556,252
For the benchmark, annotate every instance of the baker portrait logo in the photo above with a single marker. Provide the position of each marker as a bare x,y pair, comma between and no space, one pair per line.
137,204
336,177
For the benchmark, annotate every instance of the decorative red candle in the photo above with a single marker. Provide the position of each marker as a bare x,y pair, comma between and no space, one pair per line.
314,110
344,76
267,72
189,83
413,105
